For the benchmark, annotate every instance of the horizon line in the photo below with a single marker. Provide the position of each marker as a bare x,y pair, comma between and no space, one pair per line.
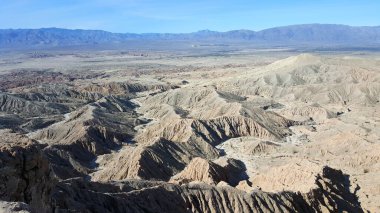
202,30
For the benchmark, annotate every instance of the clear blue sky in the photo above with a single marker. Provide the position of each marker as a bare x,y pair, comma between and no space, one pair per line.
184,15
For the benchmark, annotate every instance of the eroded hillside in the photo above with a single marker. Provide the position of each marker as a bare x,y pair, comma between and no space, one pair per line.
159,133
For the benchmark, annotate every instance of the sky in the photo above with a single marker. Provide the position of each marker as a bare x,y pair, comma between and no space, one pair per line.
182,16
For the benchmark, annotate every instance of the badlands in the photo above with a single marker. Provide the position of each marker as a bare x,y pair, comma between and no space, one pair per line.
156,131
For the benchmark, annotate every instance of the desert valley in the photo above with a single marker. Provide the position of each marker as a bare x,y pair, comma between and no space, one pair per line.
197,129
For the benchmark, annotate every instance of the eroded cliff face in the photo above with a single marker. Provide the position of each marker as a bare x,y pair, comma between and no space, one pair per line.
27,177
230,172
330,194
30,176
25,171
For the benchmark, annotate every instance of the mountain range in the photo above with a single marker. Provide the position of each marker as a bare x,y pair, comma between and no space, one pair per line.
306,35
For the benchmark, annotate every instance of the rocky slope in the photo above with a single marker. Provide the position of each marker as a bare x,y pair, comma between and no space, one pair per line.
25,174
331,194
79,195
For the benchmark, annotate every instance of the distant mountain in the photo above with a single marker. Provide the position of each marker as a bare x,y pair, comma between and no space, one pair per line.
310,34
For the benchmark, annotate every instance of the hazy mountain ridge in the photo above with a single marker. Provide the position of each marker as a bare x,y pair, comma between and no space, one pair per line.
310,34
